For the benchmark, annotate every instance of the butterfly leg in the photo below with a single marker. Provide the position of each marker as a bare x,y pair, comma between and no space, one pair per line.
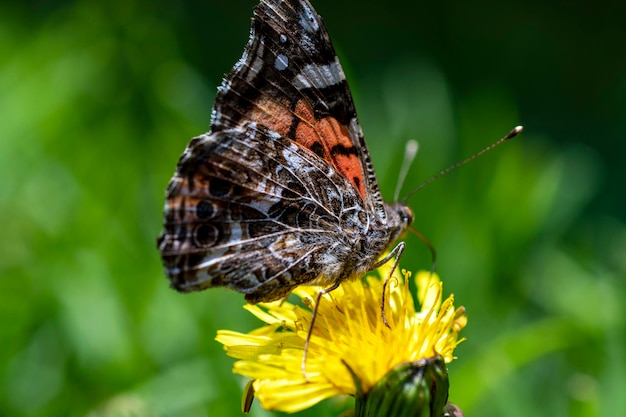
313,317
395,253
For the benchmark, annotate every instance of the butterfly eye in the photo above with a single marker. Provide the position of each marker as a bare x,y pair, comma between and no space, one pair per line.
406,214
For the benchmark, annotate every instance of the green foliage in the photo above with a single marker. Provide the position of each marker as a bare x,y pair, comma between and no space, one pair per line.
99,100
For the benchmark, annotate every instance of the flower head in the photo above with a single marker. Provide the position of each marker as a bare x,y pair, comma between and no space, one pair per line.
351,348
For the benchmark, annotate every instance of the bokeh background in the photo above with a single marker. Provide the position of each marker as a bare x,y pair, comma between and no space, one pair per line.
98,99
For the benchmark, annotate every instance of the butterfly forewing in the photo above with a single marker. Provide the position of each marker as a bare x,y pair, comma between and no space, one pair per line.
290,80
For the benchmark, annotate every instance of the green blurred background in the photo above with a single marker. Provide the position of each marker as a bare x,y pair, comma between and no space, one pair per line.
98,100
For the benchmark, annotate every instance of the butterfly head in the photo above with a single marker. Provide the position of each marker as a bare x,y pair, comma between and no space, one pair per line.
401,218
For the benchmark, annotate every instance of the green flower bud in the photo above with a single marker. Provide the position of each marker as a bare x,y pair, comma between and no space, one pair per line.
417,389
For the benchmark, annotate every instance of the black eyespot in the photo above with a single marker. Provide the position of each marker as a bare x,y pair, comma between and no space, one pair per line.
205,235
204,209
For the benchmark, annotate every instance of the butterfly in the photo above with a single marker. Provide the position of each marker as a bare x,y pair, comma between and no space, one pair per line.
281,192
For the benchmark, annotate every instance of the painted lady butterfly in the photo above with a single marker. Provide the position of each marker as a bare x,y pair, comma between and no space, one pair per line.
281,192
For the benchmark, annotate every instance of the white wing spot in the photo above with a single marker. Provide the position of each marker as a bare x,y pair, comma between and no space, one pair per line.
319,76
281,62
283,38
308,21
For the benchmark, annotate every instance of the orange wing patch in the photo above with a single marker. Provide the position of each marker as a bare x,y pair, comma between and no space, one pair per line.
331,141
272,114
326,137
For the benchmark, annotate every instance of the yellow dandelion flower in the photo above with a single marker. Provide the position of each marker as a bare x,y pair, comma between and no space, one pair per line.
350,349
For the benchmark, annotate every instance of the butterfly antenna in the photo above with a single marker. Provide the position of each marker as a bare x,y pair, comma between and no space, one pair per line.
410,151
516,131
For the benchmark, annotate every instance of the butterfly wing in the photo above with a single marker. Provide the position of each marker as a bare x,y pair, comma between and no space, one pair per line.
289,79
251,211
281,192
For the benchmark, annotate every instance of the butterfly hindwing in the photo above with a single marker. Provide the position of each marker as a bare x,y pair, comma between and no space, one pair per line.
252,212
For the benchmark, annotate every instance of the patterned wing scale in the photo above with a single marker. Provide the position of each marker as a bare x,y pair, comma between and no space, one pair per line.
290,80
254,213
